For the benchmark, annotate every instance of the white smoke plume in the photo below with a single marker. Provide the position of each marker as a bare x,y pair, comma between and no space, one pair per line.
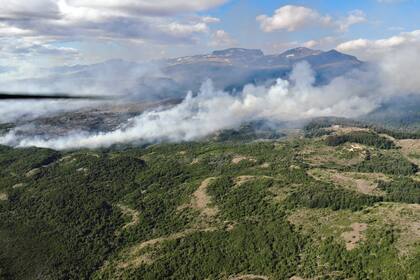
111,78
355,94
212,110
27,110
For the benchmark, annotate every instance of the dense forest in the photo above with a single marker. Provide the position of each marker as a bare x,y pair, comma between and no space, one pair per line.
218,209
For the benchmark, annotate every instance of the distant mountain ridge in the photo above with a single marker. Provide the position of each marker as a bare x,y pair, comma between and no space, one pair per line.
233,68
229,69
256,58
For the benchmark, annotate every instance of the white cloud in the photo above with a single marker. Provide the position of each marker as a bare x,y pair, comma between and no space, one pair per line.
376,49
397,57
221,38
292,18
180,29
25,48
354,17
322,43
40,27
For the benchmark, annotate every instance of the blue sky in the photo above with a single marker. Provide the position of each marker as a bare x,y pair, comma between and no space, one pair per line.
44,33
383,19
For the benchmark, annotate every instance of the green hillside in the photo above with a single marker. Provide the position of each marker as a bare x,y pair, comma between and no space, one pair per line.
291,208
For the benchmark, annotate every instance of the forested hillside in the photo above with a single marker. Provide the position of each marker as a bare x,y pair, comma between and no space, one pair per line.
342,203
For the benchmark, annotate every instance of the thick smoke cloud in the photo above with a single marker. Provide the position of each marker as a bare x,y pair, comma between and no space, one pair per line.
12,111
126,81
212,110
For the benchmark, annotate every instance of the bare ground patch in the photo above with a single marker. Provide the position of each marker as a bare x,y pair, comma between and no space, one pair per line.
195,161
202,201
321,223
338,129
33,172
132,213
19,185
410,148
344,155
365,183
248,277
353,237
240,180
405,217
265,165
3,196
237,159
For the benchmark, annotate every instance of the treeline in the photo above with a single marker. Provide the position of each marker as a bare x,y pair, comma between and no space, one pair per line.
399,134
361,137
265,247
249,132
316,128
401,190
384,163
326,196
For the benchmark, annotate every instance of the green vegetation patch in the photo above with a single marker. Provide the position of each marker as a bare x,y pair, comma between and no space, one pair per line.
361,137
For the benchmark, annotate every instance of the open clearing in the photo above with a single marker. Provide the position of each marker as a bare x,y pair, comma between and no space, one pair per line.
366,183
202,201
340,130
319,154
410,148
237,159
353,237
322,223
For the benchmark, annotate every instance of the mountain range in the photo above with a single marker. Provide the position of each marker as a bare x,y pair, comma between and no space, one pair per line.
229,69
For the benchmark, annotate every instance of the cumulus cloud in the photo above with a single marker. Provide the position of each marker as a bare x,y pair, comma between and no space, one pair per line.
377,49
221,38
354,17
292,18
